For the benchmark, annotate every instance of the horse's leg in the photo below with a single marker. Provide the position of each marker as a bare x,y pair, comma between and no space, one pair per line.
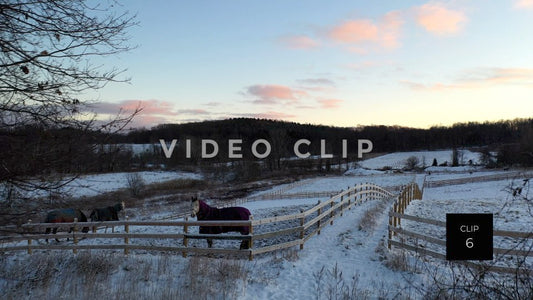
54,232
48,232
71,229
210,243
245,244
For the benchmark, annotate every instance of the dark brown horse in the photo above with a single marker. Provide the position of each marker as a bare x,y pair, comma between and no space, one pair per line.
109,213
66,215
204,212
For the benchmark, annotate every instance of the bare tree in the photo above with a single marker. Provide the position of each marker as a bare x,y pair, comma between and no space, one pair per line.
411,163
48,51
278,139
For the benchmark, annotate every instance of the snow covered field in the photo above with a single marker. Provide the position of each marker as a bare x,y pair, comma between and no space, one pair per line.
91,185
358,251
425,158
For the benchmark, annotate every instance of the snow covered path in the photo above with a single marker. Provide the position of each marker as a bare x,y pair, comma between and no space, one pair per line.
353,250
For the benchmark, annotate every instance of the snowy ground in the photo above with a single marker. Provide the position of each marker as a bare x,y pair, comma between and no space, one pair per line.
354,251
91,185
425,158
510,213
360,255
357,252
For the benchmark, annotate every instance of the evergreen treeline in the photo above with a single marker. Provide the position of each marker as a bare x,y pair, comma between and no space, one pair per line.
384,138
77,151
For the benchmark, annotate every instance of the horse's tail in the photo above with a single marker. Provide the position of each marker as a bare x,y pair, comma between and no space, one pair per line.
94,215
82,218
245,214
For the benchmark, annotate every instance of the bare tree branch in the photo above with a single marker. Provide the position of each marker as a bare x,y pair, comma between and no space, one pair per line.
48,51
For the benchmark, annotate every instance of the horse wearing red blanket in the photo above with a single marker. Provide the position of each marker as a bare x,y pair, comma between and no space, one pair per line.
204,212
67,215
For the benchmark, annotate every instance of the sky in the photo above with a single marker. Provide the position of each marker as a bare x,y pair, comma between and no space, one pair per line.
340,63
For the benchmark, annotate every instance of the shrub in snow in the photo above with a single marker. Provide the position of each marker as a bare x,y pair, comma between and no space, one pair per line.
136,184
411,163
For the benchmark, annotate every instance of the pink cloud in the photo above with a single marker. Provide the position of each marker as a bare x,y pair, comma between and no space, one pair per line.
355,31
438,19
330,103
361,33
480,78
521,76
272,94
390,29
148,107
299,42
523,4
153,111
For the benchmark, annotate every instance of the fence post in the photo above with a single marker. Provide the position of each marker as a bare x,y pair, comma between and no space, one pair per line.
126,239
402,207
302,231
319,213
251,243
342,204
185,239
390,231
395,219
349,199
331,213
29,240
74,230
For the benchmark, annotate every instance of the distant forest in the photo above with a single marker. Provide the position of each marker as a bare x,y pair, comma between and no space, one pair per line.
384,138
30,151
513,139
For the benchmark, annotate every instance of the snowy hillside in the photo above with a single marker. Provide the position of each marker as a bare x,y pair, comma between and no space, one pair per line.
348,258
425,158
91,185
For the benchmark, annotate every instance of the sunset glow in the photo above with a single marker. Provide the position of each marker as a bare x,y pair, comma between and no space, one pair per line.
341,63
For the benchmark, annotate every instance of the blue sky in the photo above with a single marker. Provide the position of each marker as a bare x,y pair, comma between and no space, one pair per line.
341,63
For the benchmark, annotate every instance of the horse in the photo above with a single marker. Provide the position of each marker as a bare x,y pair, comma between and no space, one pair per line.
204,212
109,213
66,215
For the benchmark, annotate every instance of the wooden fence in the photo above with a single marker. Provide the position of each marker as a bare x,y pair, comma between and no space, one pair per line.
482,178
409,240
301,227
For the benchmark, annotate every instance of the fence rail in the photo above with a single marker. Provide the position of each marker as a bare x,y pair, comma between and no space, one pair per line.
473,179
302,226
403,239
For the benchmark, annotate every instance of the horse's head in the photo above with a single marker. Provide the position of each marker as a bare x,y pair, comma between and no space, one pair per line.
195,205
119,206
94,216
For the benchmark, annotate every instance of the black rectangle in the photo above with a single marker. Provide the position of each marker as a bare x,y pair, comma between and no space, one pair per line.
469,236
